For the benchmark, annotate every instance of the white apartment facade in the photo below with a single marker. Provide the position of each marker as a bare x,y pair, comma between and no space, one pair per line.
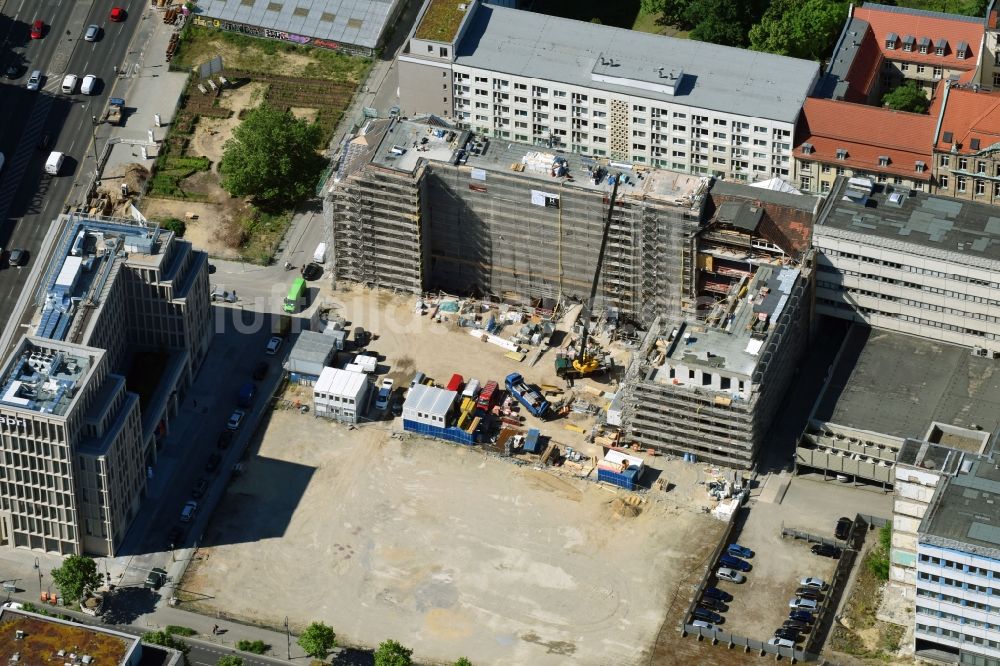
922,264
596,90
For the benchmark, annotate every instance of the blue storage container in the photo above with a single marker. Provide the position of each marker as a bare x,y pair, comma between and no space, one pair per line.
450,433
531,444
624,479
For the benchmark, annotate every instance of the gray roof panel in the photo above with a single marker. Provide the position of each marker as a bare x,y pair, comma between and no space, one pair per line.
718,78
373,15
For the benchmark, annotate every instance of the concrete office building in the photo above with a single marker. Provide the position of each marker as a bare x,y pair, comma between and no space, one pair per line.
958,565
632,97
124,324
419,205
914,263
886,388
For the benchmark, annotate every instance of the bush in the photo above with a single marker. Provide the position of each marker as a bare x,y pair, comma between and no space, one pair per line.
256,647
180,631
175,225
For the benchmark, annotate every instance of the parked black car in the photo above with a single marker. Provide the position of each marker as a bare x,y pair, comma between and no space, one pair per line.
175,537
225,439
789,634
809,593
826,550
260,370
801,616
213,462
795,625
707,615
716,593
843,528
714,604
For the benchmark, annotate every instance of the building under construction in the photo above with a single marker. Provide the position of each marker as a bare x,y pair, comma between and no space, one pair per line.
716,272
709,385
418,206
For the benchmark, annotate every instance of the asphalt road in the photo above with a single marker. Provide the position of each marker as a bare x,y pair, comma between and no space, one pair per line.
30,199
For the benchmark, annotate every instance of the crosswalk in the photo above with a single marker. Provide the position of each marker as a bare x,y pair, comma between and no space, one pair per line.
17,164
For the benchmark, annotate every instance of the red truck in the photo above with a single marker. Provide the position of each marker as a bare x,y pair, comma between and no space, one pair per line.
455,384
487,396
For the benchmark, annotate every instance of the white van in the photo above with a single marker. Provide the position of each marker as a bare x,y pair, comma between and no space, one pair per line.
69,84
88,84
54,163
319,256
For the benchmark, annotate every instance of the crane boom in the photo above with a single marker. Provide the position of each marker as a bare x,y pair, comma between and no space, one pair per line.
597,275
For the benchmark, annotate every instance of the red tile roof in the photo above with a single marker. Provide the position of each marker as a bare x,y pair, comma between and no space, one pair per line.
864,69
970,114
788,227
867,133
886,20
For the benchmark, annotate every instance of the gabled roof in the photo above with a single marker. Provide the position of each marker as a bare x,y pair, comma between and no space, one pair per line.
969,116
962,33
867,133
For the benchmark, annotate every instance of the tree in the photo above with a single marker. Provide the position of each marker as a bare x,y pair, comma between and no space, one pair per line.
167,641
272,158
799,28
672,12
391,653
76,577
317,640
907,97
463,661
721,21
230,660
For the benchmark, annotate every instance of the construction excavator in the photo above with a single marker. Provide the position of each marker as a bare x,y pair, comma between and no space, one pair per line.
589,361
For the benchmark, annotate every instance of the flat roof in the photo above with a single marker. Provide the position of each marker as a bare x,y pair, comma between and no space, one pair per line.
735,344
50,640
441,20
436,141
357,22
84,260
429,400
899,385
965,511
933,457
916,222
719,78
45,377
340,382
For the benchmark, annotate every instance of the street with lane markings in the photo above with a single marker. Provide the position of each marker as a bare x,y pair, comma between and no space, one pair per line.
30,199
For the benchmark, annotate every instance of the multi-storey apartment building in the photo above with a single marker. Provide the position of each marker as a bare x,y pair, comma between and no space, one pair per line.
966,165
958,566
836,138
632,97
124,325
910,262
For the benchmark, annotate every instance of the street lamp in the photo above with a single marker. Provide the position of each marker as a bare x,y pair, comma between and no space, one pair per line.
38,568
288,638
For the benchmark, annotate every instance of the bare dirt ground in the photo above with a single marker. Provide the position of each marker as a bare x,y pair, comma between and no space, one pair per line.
451,551
304,113
208,222
443,548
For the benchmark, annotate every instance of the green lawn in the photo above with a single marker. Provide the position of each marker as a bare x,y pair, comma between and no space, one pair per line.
266,56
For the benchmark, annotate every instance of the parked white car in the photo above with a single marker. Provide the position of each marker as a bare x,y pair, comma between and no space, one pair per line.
89,84
733,576
798,603
818,583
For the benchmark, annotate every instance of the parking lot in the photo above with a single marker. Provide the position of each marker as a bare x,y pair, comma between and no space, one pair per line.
760,605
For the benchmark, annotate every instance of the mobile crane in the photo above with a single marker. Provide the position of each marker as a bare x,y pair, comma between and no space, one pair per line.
587,362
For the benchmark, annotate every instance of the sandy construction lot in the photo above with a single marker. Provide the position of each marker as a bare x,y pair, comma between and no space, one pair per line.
443,548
